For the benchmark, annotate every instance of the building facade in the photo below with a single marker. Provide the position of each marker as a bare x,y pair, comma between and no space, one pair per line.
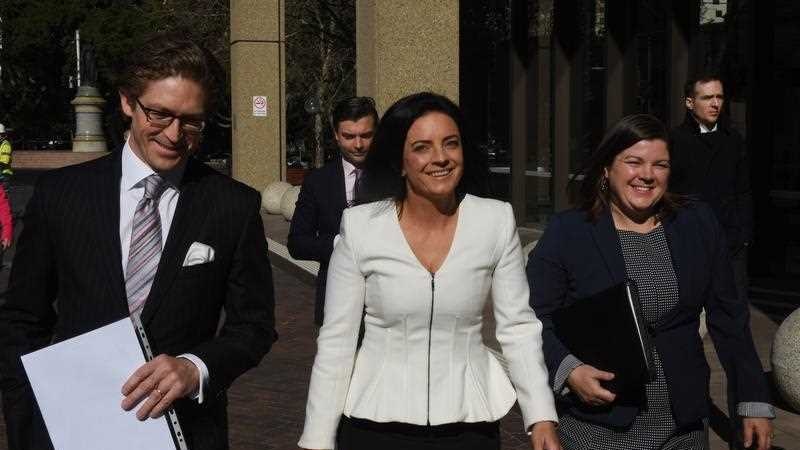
542,79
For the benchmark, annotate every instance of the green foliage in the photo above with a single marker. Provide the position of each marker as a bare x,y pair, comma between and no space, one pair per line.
38,56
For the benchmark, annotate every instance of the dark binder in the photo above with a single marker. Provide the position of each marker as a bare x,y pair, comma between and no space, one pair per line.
608,331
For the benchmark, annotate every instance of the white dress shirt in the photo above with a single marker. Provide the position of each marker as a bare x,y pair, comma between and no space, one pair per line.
131,191
704,129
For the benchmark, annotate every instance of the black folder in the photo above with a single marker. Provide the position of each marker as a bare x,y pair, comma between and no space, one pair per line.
608,331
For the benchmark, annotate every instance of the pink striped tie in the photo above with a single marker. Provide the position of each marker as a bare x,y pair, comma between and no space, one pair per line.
145,250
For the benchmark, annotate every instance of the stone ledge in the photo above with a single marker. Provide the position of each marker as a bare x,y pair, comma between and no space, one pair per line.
50,159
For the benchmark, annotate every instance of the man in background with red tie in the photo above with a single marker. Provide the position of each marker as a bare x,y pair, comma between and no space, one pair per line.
145,232
326,192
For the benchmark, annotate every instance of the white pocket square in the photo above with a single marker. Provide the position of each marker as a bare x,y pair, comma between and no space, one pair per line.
198,253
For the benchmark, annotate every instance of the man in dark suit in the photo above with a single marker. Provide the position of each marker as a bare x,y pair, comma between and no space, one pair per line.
150,233
326,192
709,162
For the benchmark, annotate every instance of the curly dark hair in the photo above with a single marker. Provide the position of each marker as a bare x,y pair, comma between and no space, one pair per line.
383,179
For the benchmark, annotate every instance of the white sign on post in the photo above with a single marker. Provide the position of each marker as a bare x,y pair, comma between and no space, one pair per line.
259,106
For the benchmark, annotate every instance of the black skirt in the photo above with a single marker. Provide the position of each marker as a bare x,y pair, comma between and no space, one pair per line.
362,434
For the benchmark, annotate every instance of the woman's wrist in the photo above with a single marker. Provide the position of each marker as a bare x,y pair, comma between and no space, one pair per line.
544,422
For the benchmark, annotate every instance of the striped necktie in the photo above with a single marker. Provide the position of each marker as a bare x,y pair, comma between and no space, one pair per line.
145,250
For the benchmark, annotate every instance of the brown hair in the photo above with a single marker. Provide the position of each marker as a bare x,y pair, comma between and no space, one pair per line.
592,197
702,78
165,55
353,108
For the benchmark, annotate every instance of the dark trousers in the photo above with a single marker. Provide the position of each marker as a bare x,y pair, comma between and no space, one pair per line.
361,434
739,262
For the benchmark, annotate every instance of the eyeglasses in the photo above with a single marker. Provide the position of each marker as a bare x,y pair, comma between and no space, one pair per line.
164,119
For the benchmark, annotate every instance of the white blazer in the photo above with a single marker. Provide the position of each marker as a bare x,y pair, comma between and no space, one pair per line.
422,360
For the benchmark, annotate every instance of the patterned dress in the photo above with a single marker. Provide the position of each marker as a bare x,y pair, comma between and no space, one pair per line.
649,264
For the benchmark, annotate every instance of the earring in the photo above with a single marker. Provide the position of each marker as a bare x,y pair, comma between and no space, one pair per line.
604,185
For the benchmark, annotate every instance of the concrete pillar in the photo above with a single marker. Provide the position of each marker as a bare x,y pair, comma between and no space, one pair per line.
258,70
683,19
768,255
620,60
565,51
406,46
520,125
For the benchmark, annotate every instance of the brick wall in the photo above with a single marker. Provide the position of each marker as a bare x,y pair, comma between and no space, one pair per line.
50,159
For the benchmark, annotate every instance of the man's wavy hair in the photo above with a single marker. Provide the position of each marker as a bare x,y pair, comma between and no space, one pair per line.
589,191
167,54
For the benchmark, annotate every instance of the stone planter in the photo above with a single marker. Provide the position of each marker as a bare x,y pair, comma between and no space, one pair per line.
786,360
288,202
272,195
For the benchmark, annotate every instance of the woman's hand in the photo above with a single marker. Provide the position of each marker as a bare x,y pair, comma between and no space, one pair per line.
544,437
761,429
584,380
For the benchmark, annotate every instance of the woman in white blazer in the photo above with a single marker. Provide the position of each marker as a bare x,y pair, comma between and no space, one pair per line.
418,259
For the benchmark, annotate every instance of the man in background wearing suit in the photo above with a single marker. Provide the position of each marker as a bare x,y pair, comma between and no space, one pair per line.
150,233
326,192
709,162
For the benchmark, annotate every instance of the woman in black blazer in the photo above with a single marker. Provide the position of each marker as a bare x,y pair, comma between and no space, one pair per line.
629,227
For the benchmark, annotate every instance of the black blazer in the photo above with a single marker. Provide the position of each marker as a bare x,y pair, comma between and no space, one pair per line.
315,222
715,168
576,258
67,279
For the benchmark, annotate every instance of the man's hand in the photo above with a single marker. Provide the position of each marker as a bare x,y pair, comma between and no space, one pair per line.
5,243
585,380
161,381
761,429
544,437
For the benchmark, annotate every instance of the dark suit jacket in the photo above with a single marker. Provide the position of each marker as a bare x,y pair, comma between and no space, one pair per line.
576,258
315,222
67,279
714,167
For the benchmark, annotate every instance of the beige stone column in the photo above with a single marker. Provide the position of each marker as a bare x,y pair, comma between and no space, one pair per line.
406,46
258,70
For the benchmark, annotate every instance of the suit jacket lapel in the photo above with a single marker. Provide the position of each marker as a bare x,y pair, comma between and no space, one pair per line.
680,254
341,192
607,240
189,217
106,197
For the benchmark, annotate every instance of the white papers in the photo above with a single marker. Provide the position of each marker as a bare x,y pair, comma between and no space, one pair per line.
77,384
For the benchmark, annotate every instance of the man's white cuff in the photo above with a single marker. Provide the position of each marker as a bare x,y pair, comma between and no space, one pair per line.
202,371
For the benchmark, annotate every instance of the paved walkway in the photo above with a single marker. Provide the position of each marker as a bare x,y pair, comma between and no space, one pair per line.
266,409
267,404
787,424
